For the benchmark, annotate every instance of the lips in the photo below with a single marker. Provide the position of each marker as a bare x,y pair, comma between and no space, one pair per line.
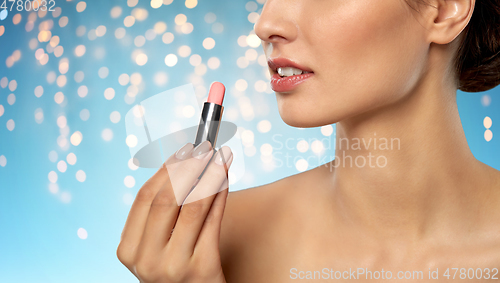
276,63
286,84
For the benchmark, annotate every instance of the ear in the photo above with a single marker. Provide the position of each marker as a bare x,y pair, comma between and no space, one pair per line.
448,19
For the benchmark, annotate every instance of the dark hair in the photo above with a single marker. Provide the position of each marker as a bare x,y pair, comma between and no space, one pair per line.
477,63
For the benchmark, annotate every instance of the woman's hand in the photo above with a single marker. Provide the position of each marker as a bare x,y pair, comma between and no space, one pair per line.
149,248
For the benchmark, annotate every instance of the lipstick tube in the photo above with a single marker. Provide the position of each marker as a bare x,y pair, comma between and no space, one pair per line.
211,115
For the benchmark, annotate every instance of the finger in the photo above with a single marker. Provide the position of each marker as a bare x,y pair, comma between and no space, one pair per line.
193,214
218,169
164,208
136,219
184,173
208,240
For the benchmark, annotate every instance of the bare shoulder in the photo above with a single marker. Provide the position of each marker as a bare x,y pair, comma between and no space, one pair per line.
253,208
255,218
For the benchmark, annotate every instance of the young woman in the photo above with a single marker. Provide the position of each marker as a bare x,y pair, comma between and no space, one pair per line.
390,68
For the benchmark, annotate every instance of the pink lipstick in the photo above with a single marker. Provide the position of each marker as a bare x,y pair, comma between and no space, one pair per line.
211,115
284,84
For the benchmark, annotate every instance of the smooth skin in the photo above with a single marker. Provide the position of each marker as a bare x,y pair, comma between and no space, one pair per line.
379,68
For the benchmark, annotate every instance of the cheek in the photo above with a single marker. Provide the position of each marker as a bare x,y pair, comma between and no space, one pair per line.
366,54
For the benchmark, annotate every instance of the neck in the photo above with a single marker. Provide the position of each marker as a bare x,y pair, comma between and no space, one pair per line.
400,169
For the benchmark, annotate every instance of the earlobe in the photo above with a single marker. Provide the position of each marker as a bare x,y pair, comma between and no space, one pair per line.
450,19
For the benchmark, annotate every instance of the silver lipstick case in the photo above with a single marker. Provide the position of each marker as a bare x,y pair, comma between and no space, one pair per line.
209,123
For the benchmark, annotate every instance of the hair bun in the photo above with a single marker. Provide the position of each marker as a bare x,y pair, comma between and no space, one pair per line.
478,59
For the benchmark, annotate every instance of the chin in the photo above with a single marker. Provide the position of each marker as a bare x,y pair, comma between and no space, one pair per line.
302,118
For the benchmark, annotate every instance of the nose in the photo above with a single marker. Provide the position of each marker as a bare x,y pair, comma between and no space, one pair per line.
276,23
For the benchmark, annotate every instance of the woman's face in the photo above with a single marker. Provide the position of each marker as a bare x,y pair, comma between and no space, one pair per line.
364,54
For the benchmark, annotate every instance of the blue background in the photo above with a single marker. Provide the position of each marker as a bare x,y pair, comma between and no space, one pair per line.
39,218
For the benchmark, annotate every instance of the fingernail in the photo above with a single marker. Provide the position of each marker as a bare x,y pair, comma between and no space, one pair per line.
223,155
202,149
184,151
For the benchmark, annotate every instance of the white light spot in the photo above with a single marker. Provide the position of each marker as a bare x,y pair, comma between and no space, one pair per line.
59,97
184,51
167,38
242,62
136,78
253,40
109,93
84,114
38,91
11,99
170,60
100,31
247,137
38,115
83,91
190,4
188,111
80,7
61,80
4,81
200,70
103,72
241,85
11,125
12,85
116,12
62,121
123,79
187,28
266,149
488,135
115,117
155,4
485,100
129,182
80,50
302,146
195,60
487,122
213,63
52,176
82,233
301,165
253,17
81,176
131,164
71,158
317,146
76,138
327,130
210,18
3,160
208,43
79,76
62,166
264,126
107,134
160,78
131,140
